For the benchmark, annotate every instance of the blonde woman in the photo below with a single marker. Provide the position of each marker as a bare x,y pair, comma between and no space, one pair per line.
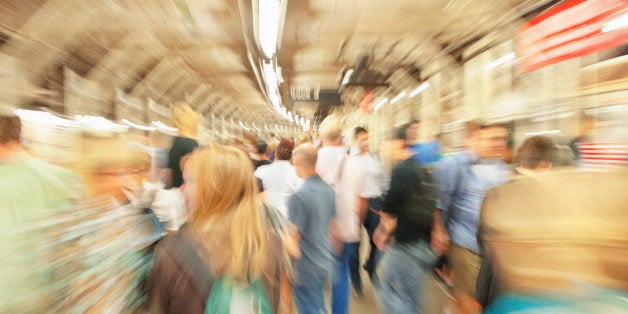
187,121
227,236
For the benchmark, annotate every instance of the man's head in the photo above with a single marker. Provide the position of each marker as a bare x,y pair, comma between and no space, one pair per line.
262,148
536,153
362,139
489,141
412,132
10,131
408,133
304,159
331,131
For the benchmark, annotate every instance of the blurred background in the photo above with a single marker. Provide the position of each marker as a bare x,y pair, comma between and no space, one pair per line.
94,81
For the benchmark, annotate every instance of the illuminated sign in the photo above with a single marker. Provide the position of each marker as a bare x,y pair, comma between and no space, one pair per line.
573,29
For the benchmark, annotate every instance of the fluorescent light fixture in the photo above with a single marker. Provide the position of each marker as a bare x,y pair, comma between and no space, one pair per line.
616,24
500,61
380,104
347,77
268,19
279,75
544,132
137,126
43,118
396,99
100,123
160,125
256,127
244,126
419,89
290,117
345,118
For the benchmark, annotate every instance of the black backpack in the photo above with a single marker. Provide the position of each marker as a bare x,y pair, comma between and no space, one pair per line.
421,198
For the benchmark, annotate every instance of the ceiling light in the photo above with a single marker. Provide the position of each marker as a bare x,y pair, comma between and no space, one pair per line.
419,89
380,104
244,126
137,126
269,74
43,118
616,24
268,27
160,125
543,132
347,77
500,61
100,123
396,99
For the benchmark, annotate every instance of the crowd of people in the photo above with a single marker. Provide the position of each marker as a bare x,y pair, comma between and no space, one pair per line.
264,225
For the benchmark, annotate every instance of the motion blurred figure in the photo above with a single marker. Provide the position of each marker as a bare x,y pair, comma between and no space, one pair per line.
226,237
408,215
535,156
329,166
557,240
311,211
463,180
261,155
362,184
280,179
28,188
187,121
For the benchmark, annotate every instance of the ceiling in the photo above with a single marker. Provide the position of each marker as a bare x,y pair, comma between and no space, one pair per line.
195,51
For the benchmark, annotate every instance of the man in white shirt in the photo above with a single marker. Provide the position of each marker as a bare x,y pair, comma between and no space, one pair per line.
280,179
330,159
361,179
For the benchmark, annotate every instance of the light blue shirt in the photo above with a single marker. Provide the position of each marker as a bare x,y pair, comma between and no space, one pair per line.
463,180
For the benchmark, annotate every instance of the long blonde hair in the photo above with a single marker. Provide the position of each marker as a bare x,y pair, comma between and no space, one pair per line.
227,211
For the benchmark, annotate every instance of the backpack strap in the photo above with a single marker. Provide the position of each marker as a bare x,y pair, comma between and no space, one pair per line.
191,263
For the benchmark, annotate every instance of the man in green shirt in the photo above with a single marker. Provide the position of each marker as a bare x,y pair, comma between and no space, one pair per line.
28,188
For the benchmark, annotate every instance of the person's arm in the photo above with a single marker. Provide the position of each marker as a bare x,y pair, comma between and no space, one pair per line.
291,241
292,235
445,175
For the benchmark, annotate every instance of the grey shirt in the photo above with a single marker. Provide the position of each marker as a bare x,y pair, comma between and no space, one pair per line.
310,209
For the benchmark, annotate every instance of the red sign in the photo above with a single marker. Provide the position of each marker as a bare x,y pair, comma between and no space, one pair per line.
366,100
573,29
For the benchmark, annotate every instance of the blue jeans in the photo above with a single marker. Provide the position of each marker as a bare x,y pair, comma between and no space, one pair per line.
308,296
401,274
340,280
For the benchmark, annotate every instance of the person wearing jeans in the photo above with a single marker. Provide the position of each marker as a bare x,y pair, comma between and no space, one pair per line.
406,214
312,211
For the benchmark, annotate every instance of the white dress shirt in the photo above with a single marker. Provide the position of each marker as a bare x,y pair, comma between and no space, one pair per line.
329,161
280,180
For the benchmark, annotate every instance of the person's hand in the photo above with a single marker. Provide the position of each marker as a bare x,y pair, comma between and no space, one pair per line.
440,240
381,236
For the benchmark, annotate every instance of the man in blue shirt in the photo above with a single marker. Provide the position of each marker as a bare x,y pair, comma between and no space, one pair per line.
311,211
463,180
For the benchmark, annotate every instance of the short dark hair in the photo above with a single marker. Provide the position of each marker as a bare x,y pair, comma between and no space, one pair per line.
359,130
262,147
400,132
10,128
284,149
535,150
